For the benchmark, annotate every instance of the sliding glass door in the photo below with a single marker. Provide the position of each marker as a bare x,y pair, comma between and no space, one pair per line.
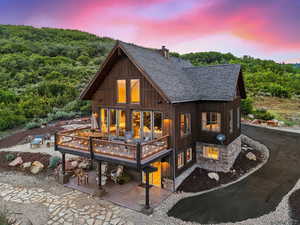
113,122
147,125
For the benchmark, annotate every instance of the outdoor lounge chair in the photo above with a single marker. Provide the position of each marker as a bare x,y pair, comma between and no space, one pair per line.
37,141
115,175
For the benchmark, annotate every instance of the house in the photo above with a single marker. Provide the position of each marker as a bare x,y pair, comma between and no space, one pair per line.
154,109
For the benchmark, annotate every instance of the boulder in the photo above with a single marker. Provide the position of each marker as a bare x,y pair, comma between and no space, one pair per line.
251,116
251,156
36,167
26,165
16,162
213,176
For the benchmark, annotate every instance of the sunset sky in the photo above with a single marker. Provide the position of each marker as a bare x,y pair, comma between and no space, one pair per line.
260,28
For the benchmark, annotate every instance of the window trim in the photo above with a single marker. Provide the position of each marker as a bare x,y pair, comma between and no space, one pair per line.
179,166
130,91
213,148
191,155
118,91
203,128
187,126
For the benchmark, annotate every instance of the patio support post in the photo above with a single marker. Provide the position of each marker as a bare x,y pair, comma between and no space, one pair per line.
55,141
99,174
63,163
138,156
91,151
147,204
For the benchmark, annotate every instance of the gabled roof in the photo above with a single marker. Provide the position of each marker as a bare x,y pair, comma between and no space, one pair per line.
178,80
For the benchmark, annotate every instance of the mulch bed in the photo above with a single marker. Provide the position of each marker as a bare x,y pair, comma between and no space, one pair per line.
294,203
199,181
19,137
26,157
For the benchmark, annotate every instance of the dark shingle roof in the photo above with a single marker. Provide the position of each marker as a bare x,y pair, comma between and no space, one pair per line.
182,82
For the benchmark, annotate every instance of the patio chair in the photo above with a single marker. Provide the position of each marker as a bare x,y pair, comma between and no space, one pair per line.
116,174
37,141
82,177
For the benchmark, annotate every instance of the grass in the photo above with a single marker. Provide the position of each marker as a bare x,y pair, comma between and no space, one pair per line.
286,110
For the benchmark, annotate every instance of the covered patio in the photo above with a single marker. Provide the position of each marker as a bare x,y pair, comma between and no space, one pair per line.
130,195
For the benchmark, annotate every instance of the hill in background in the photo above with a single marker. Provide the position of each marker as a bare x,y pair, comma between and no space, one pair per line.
42,72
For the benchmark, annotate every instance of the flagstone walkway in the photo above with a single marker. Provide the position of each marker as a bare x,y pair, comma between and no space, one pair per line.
71,208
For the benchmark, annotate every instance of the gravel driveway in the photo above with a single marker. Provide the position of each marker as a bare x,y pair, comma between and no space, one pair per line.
257,195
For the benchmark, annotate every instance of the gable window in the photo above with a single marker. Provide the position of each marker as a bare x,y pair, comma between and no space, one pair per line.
210,152
238,117
135,91
211,121
121,91
180,160
231,121
189,155
185,124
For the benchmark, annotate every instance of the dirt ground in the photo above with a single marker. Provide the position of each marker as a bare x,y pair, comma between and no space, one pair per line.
287,110
199,181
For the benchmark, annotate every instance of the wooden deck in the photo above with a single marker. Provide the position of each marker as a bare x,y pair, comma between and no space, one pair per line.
130,195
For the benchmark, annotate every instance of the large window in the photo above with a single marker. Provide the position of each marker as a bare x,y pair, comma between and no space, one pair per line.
180,160
185,124
211,121
147,124
211,152
189,154
135,91
121,91
112,122
231,121
104,121
238,117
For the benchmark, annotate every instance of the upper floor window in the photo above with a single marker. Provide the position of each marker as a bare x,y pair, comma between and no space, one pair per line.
231,121
135,91
121,91
185,124
211,121
238,117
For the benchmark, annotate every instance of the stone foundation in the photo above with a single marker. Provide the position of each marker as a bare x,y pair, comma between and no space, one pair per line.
227,156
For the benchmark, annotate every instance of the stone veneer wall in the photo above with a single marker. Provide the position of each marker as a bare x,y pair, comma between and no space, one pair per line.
227,156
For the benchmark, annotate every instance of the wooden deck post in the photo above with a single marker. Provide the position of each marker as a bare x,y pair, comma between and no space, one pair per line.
91,151
138,156
63,163
99,174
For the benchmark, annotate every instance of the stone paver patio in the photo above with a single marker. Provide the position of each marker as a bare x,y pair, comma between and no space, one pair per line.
70,208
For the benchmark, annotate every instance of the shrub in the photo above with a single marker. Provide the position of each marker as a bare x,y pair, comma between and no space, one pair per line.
125,178
32,125
246,106
10,157
278,91
53,162
263,114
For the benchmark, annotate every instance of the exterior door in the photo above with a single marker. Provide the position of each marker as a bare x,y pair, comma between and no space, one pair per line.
154,178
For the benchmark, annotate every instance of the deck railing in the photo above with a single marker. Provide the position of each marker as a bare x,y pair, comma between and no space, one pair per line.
132,151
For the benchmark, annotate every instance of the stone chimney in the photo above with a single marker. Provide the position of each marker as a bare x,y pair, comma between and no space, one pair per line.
165,52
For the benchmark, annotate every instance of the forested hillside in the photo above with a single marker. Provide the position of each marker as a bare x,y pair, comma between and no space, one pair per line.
42,72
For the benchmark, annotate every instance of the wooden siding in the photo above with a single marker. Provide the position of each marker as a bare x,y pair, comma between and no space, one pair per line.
106,94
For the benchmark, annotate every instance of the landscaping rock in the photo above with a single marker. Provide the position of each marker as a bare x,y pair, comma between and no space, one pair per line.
251,116
26,165
36,167
213,176
16,162
251,156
